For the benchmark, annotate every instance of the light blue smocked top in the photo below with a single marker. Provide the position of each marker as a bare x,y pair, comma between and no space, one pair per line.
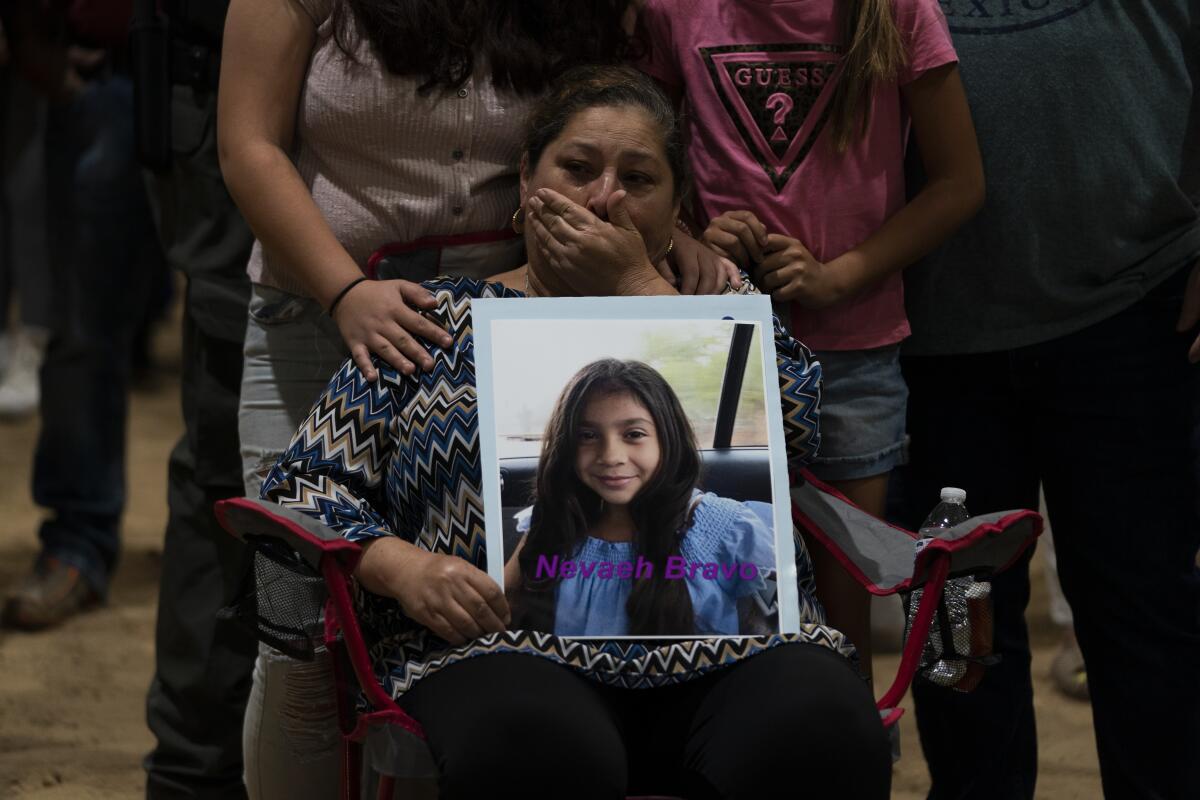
724,532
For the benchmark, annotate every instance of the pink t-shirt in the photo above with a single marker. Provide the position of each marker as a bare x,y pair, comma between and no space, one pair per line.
758,76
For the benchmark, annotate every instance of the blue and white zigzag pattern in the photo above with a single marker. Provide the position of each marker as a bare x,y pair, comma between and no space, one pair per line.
400,457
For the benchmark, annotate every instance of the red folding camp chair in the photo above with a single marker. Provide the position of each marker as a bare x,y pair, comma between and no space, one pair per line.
303,568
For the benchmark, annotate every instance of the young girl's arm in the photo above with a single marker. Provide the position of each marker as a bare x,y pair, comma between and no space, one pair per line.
264,59
952,194
737,235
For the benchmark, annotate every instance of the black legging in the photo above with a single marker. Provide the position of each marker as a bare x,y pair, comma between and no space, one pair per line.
795,721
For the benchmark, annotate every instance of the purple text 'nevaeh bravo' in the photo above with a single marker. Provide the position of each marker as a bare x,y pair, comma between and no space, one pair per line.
677,568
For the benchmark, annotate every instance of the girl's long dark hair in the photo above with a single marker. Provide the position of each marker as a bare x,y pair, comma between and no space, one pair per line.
524,43
565,509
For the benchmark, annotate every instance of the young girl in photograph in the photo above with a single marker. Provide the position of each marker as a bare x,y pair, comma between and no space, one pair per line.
620,541
798,117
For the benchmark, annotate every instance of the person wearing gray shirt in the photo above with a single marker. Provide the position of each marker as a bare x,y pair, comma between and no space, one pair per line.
1050,345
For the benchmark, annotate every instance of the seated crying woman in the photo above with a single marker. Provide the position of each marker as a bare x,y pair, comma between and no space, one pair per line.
621,541
395,465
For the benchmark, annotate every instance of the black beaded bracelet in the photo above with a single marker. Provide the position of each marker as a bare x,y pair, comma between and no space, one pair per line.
343,292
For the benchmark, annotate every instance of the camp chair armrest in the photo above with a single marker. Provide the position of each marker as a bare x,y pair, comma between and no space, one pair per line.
248,518
335,560
885,558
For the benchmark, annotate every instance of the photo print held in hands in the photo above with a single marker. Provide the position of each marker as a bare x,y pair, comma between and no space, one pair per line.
634,476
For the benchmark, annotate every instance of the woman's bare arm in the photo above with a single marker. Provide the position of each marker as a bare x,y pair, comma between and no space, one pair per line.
265,56
447,594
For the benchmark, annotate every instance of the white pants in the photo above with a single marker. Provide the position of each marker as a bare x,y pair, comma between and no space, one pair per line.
290,739
291,744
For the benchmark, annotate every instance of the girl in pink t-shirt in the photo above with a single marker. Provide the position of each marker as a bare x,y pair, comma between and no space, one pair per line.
798,115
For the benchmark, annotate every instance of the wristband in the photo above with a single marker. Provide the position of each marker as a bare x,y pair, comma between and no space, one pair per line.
344,291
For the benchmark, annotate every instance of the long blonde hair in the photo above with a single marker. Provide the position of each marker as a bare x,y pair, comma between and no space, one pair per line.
874,53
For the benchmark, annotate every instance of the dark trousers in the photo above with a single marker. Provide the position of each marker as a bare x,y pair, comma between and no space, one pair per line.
23,218
202,664
796,720
1102,419
103,251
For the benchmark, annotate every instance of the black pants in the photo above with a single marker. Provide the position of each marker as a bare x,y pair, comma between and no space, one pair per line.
796,717
1102,419
202,665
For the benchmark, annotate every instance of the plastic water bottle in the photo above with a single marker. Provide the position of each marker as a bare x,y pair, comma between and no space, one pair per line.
949,512
954,658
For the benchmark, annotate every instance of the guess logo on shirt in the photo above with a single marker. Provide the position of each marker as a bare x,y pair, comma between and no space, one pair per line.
777,97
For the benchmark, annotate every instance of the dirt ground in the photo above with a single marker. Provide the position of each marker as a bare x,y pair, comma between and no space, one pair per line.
72,721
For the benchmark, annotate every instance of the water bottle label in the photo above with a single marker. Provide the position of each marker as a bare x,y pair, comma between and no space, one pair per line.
921,544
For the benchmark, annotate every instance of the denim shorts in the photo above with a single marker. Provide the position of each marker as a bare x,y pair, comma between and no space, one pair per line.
863,404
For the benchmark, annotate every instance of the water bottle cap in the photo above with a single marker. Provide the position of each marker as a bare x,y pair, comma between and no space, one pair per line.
951,494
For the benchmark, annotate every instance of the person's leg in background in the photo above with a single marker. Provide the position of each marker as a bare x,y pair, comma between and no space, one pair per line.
971,426
1067,670
79,465
203,664
862,439
1121,495
24,272
7,264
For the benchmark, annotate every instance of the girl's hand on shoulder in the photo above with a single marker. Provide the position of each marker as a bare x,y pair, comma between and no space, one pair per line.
591,256
793,274
698,269
384,318
739,236
450,596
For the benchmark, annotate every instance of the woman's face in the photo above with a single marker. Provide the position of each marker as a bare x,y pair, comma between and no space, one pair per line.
601,150
617,448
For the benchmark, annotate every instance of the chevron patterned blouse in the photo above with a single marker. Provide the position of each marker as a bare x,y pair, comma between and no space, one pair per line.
400,457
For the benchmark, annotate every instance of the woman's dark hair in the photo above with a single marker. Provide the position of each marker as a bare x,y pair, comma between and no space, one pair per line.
524,43
565,509
599,86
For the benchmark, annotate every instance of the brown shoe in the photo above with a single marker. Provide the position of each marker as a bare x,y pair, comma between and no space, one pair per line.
51,594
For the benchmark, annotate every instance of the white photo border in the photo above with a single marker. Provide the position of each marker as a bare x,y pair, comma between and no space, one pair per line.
754,309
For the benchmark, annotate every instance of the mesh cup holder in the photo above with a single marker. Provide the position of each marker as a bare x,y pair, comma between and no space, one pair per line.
959,647
280,600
